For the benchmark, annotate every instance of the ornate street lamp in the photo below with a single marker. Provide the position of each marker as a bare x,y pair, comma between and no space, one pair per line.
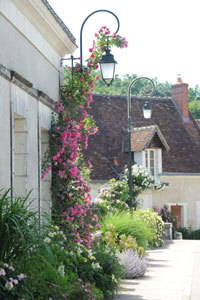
147,110
147,114
107,65
107,62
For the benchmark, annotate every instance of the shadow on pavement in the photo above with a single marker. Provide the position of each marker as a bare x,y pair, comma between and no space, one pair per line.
127,282
129,297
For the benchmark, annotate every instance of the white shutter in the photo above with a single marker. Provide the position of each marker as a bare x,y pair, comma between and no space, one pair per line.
198,214
158,161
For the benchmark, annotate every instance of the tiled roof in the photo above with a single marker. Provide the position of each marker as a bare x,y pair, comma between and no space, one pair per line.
198,122
141,137
110,114
58,19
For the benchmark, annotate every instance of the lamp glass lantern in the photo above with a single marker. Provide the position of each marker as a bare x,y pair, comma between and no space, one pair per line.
147,111
107,65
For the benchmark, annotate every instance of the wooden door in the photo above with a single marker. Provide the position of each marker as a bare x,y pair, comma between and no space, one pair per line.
176,212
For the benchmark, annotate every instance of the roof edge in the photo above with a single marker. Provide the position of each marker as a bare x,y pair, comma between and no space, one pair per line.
59,20
45,20
157,131
133,97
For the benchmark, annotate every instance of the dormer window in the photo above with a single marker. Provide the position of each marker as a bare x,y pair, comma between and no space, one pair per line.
147,144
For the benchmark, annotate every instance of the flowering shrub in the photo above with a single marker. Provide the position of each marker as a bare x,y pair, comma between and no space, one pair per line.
108,276
155,221
168,216
12,283
143,180
121,242
115,195
132,257
85,291
98,265
134,266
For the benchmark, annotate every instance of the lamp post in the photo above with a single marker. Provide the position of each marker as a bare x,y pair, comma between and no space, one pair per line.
147,114
107,62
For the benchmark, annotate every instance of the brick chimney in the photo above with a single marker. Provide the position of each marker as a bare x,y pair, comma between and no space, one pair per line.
180,96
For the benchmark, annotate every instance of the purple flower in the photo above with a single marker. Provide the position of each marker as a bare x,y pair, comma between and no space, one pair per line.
21,276
134,266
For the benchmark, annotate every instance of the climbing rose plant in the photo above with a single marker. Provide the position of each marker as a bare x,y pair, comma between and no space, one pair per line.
68,136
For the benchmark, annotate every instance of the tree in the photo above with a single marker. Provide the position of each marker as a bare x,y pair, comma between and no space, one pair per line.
120,87
194,108
194,94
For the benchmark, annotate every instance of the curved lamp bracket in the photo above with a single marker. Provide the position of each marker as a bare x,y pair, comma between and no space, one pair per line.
81,31
143,93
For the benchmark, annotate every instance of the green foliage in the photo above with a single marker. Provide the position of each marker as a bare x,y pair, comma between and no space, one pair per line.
107,279
85,291
120,86
194,93
121,242
99,266
128,224
189,234
18,227
194,108
155,222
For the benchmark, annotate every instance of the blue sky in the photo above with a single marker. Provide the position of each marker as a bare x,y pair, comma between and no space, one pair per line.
163,35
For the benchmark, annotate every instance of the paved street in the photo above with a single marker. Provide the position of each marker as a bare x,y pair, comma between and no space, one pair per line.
173,274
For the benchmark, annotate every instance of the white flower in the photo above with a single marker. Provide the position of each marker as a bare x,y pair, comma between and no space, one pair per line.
90,254
61,270
79,251
51,234
47,240
15,281
96,265
114,279
9,285
2,272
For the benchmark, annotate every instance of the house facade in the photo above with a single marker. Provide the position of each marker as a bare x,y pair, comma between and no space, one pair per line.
33,42
167,144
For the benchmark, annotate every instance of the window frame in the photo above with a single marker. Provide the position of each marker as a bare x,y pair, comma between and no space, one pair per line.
152,168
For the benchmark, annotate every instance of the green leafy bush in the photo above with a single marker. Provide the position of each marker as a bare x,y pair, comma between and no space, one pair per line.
129,224
151,218
18,227
98,265
132,258
121,242
189,234
107,279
